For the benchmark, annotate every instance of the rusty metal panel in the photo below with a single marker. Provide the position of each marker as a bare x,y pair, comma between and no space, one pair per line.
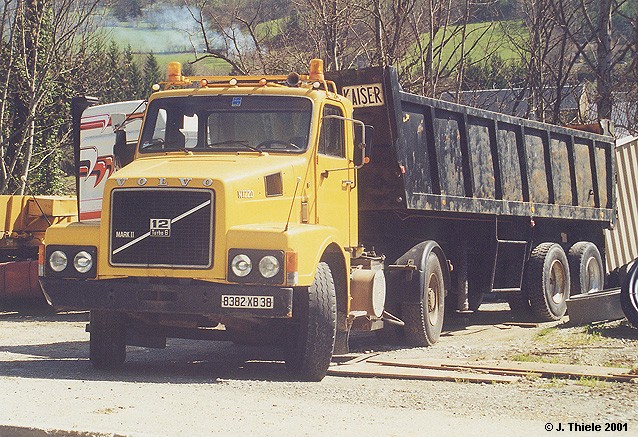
584,175
561,170
536,170
484,177
447,141
622,242
510,163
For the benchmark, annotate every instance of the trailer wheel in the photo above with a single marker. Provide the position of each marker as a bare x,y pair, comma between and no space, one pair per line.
547,281
107,344
312,337
629,295
424,320
586,267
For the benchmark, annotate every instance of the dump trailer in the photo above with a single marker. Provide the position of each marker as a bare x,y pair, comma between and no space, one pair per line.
24,222
293,209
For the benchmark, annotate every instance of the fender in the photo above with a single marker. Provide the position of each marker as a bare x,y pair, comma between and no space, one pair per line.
298,238
409,287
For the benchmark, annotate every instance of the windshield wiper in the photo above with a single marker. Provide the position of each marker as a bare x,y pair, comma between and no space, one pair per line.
242,143
153,143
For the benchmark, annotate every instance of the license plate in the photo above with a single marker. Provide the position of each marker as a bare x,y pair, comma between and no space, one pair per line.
248,302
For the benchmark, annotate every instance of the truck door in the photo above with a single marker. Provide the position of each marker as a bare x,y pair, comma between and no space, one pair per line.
335,177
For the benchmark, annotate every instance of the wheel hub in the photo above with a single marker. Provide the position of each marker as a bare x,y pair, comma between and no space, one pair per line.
433,299
557,282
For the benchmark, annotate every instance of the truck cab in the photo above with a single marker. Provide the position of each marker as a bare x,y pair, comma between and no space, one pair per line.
236,219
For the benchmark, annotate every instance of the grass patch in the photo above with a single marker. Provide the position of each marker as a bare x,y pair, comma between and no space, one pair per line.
485,39
533,358
591,382
546,332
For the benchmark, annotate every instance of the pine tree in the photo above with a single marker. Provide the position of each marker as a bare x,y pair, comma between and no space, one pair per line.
132,83
152,73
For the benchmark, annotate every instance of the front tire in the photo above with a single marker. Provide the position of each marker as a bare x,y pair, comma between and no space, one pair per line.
311,340
424,319
547,281
107,344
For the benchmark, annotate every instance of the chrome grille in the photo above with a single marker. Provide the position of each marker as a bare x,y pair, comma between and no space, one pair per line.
162,228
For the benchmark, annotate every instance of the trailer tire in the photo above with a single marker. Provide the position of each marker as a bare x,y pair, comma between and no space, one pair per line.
424,319
629,295
547,281
311,340
586,268
107,343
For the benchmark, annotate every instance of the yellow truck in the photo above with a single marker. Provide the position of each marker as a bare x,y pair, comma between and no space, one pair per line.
260,209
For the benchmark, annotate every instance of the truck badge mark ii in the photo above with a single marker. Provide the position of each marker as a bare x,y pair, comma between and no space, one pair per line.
260,209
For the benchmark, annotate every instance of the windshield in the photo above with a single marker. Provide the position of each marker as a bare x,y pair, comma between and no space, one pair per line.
227,123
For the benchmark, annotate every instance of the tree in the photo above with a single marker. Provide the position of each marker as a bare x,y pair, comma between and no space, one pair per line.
589,22
151,72
40,41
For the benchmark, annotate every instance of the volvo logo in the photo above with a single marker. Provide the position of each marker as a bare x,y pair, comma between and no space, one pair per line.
163,182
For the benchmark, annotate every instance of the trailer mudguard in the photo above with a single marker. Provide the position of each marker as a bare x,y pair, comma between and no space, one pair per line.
407,284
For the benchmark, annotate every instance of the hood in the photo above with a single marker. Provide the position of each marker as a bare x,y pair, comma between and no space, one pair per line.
172,170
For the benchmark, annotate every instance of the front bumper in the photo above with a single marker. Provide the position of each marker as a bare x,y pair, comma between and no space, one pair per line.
140,295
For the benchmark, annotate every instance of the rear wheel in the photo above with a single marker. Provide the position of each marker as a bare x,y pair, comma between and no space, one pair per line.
311,339
586,267
424,319
107,344
547,281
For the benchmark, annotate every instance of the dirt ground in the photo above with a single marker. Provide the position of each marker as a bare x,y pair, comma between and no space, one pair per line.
204,388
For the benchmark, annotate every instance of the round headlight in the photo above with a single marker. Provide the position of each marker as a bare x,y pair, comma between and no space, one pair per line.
268,266
58,261
241,265
83,262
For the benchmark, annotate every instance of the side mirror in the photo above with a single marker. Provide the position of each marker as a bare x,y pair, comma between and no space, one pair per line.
117,120
363,145
123,152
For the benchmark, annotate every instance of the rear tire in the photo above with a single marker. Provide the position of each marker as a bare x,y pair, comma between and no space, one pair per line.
311,340
586,267
424,319
107,344
547,281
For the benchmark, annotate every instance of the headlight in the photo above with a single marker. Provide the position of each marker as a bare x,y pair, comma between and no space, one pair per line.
241,265
58,261
83,262
268,266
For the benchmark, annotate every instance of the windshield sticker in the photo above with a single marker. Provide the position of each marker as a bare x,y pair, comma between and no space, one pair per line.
236,101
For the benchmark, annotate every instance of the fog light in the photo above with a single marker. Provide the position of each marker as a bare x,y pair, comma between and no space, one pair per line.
268,266
241,265
83,262
58,261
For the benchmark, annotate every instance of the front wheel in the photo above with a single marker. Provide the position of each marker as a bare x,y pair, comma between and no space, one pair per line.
312,337
107,344
424,319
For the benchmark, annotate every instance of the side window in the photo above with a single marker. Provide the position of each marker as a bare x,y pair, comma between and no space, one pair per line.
331,141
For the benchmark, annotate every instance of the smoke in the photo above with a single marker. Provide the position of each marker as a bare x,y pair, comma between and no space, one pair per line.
161,29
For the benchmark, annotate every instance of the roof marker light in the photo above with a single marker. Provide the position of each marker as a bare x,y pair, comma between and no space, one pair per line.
232,82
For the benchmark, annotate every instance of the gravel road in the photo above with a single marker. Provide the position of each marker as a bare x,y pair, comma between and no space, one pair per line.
205,388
